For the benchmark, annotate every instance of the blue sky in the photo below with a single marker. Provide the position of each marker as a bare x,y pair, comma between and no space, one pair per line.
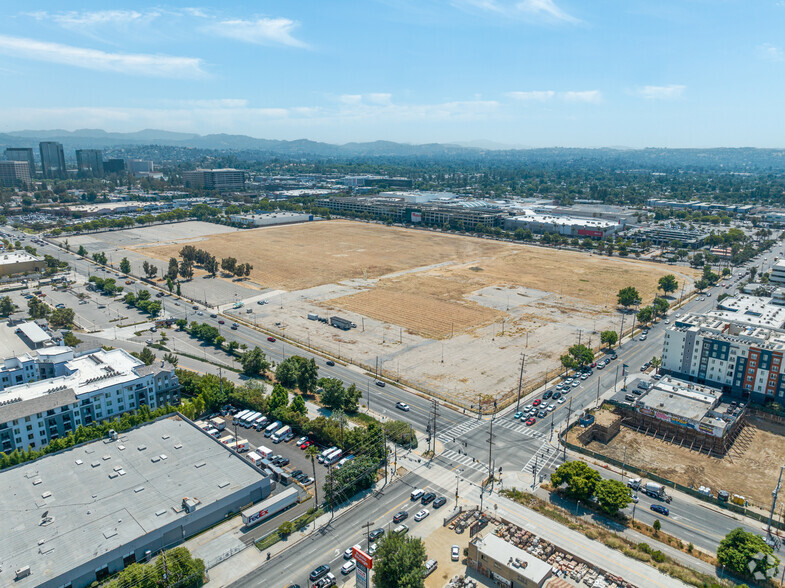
659,73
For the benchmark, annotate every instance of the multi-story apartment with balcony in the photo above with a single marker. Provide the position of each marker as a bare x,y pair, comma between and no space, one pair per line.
48,395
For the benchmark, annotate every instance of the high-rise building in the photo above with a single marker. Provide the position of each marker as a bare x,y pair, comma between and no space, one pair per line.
22,154
215,179
52,159
114,166
90,162
139,166
14,172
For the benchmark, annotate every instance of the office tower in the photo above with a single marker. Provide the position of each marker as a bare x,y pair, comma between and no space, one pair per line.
90,162
22,154
114,166
215,179
13,172
52,159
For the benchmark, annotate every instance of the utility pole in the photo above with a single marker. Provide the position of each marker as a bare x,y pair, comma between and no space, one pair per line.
479,406
433,429
598,391
774,502
616,379
369,394
621,331
580,332
520,384
367,526
384,449
567,426
490,453
534,472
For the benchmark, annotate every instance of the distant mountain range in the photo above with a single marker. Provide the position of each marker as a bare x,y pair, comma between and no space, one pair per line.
132,144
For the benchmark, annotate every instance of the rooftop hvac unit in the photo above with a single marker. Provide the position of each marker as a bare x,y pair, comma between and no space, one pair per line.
22,572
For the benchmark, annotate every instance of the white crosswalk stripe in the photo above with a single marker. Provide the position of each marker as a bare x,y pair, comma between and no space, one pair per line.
462,459
522,429
456,431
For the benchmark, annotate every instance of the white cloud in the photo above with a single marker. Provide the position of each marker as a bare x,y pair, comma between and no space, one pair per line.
351,98
262,31
127,63
771,52
217,103
534,95
670,92
592,96
75,19
379,98
548,95
531,9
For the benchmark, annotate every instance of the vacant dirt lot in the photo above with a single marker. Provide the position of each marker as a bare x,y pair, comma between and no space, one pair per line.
750,468
295,257
447,313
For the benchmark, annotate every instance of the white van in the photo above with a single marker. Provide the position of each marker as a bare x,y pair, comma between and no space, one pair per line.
272,428
417,494
323,454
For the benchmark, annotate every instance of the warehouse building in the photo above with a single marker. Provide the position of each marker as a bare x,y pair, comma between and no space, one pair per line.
20,262
87,512
569,226
507,564
667,235
48,396
271,219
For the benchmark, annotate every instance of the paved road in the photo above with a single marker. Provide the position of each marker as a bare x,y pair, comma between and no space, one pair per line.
464,438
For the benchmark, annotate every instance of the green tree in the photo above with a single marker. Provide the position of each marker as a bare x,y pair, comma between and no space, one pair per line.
656,362
278,398
628,296
740,547
333,392
171,358
645,315
186,269
147,356
612,496
661,306
581,480
609,338
298,405
6,306
82,251
311,454
582,354
399,562
211,265
307,376
173,269
125,265
61,317
668,284
351,398
37,309
286,372
100,257
228,264
701,284
254,362
71,340
169,284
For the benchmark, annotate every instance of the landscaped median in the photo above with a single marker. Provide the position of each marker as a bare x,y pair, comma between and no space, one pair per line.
287,528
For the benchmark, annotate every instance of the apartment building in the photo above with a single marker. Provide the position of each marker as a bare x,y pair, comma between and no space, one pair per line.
48,395
741,359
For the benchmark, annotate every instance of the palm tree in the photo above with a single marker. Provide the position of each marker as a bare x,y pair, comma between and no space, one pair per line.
656,362
312,452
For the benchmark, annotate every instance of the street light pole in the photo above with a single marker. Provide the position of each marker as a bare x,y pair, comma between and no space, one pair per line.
520,384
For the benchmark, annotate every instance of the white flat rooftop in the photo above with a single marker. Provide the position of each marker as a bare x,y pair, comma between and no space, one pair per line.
89,373
69,508
17,257
34,333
